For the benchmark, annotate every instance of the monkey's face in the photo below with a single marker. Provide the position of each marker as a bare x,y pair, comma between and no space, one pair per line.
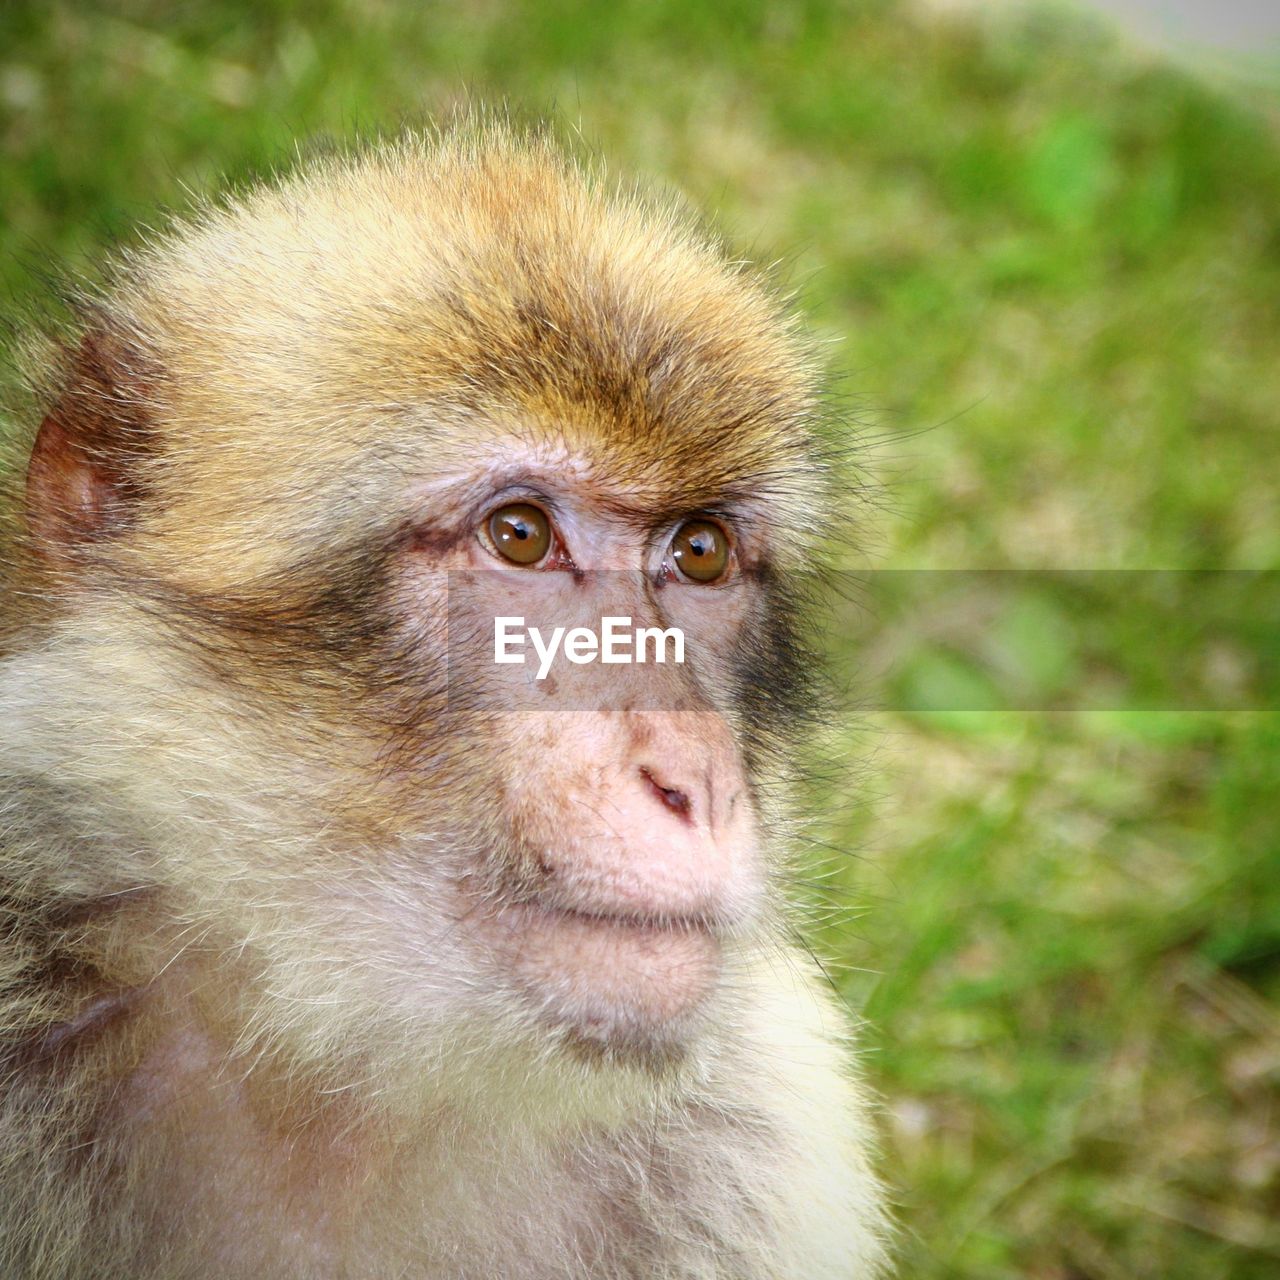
313,453
573,845
618,868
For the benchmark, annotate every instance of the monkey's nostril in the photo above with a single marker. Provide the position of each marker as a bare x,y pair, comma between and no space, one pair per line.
675,800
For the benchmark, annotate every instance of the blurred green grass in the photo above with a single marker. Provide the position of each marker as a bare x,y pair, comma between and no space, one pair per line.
1050,274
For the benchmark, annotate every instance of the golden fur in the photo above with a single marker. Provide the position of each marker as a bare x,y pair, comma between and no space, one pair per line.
219,1055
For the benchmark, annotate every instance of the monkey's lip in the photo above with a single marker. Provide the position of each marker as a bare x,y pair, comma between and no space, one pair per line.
651,921
607,972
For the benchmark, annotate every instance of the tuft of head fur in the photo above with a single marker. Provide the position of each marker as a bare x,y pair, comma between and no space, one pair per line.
214,875
273,350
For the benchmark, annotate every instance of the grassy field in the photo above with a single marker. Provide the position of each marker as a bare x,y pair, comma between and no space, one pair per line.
1050,277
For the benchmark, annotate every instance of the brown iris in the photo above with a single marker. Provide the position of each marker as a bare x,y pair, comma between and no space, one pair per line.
521,532
701,550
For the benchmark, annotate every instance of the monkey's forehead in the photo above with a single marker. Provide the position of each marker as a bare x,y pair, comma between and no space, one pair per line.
474,272
431,294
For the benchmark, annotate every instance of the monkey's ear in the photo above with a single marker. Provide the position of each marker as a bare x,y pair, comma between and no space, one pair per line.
83,482
69,499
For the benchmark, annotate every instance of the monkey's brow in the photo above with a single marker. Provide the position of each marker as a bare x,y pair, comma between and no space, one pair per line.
450,500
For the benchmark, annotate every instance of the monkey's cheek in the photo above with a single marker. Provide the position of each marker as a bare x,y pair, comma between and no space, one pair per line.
612,978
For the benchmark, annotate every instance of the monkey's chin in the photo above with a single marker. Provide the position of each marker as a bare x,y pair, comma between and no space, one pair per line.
614,986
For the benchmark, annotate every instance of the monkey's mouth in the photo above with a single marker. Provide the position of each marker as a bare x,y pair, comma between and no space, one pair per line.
610,977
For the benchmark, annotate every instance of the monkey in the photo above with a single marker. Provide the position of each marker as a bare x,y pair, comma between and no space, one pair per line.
330,945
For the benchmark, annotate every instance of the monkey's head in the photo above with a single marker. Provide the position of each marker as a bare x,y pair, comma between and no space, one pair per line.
308,453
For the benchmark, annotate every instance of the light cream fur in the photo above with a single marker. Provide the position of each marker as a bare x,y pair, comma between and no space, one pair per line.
234,1039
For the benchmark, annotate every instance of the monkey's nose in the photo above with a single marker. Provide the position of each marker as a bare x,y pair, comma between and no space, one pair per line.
671,797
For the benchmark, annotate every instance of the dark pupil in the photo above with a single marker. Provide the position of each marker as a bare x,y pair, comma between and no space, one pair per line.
520,529
700,545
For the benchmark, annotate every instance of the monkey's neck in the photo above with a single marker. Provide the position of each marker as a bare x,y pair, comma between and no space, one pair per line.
313,1182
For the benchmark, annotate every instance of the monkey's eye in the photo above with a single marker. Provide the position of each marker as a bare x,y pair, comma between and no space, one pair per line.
521,532
700,550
